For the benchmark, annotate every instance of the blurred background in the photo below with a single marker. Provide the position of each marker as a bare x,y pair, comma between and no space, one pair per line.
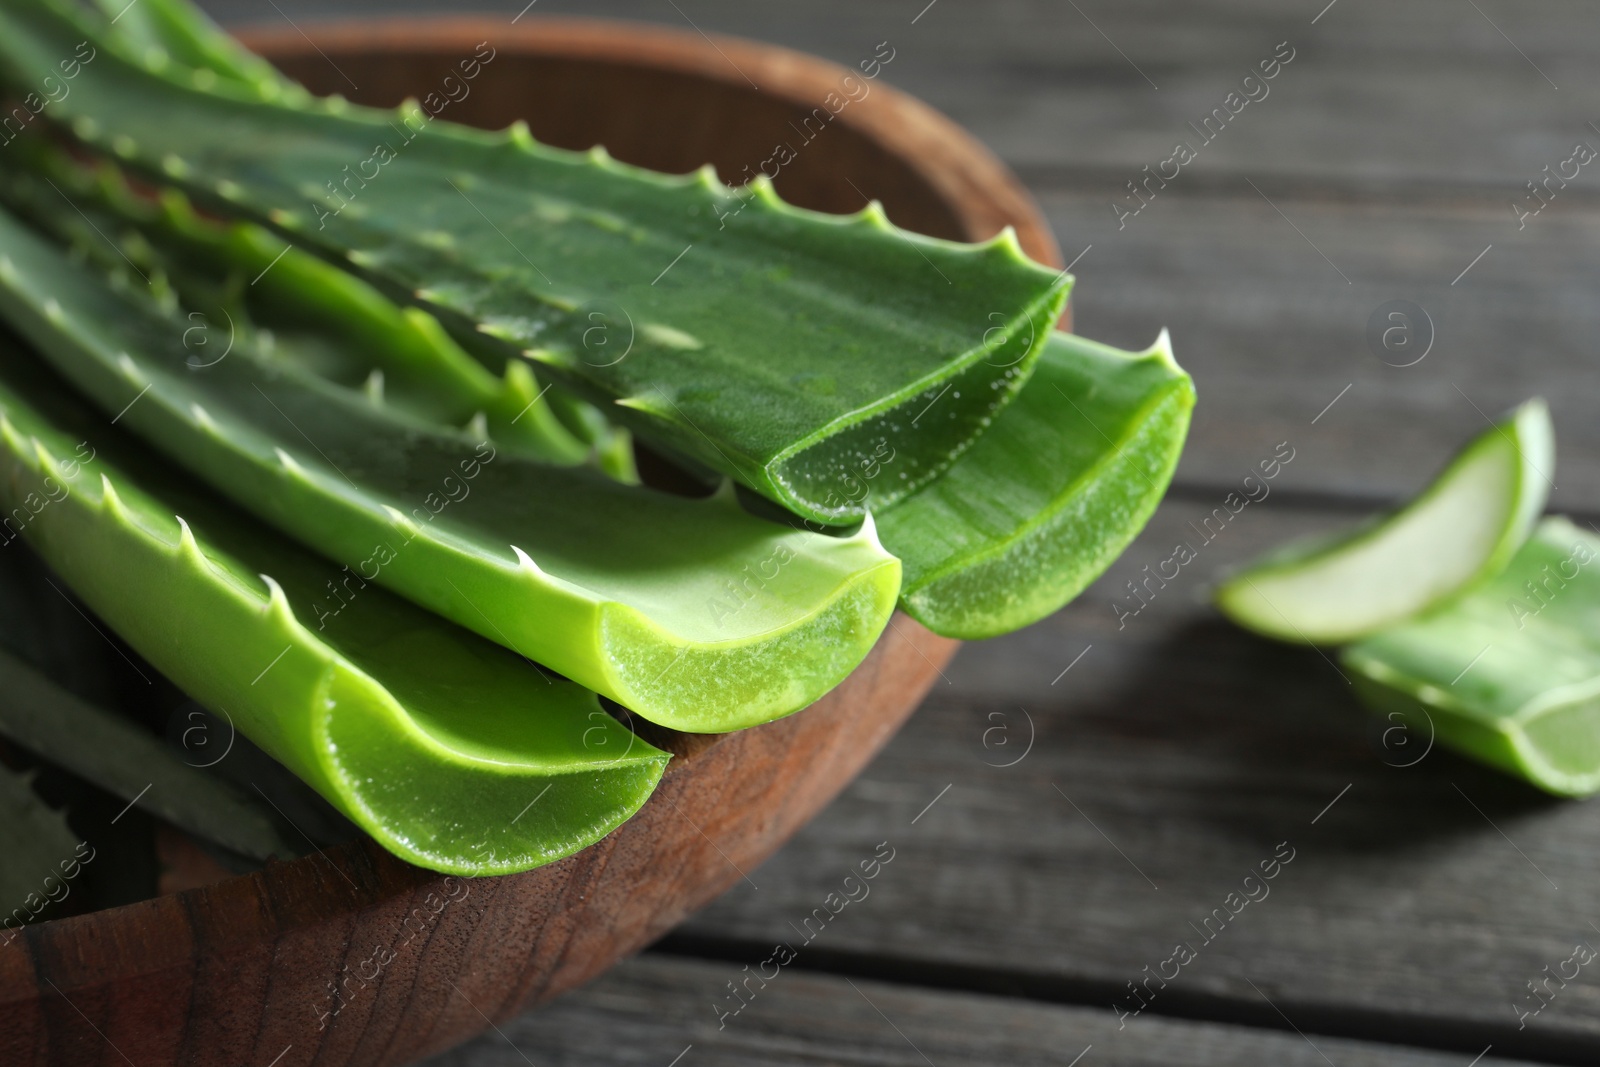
1075,799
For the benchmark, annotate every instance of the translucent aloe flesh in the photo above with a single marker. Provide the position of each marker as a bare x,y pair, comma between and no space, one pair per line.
1508,674
1461,529
778,346
690,612
1049,496
452,752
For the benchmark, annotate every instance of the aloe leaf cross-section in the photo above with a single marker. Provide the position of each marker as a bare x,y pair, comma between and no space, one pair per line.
1462,529
1509,673
775,345
451,752
692,613
1048,497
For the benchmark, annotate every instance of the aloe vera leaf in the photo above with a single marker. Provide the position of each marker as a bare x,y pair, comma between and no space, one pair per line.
692,613
1048,497
1463,528
1508,674
451,752
776,345
38,847
119,757
241,277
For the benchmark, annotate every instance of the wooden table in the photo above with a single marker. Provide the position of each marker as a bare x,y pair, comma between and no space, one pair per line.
1077,799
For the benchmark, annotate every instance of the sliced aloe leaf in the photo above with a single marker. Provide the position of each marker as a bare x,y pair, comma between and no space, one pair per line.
775,345
116,755
1463,528
1508,674
452,753
39,849
692,613
1048,497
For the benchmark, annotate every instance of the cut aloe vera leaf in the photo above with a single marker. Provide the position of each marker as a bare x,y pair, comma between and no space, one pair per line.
1048,497
1462,529
775,345
451,752
301,309
1508,674
124,760
692,613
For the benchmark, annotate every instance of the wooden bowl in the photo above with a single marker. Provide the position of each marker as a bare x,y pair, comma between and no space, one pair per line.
248,971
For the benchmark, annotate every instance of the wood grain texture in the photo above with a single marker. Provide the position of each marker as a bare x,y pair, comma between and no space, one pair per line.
250,969
1165,765
649,1010
1273,333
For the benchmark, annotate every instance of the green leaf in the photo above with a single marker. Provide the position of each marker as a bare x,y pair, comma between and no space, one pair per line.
126,761
1508,674
1461,530
776,345
690,612
1048,497
452,753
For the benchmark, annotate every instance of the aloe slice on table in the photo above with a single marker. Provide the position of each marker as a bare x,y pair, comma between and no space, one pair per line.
1048,497
775,345
1463,528
453,753
1508,674
690,612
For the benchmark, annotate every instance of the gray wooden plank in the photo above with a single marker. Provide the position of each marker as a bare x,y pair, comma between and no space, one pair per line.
1428,90
1265,319
649,1011
1177,753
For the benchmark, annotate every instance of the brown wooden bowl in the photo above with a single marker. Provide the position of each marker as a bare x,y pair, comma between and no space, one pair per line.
243,971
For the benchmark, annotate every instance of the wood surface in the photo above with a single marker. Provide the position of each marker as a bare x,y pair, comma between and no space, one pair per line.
650,1010
246,970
